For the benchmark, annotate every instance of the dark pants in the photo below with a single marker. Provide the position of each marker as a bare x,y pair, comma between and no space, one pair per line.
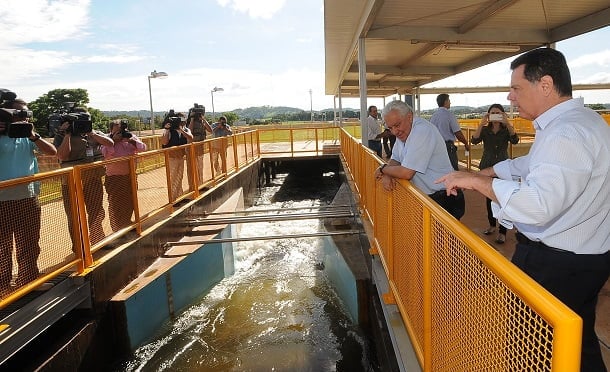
454,204
388,142
375,146
576,280
491,218
452,152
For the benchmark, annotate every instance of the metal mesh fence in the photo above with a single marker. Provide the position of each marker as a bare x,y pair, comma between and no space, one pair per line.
465,306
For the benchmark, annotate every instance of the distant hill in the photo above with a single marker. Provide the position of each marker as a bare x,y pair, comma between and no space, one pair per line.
264,112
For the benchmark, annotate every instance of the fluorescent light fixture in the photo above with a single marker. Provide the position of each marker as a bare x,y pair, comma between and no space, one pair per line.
483,47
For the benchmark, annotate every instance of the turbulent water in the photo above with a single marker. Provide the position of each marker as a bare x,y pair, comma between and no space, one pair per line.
277,312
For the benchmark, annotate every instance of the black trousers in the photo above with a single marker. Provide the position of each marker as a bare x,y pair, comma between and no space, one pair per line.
454,204
388,142
492,219
576,280
452,152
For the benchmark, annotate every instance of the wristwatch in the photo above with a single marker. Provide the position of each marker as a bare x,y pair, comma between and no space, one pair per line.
381,168
36,137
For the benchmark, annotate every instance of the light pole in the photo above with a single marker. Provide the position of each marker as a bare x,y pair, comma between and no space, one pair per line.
216,89
310,106
153,75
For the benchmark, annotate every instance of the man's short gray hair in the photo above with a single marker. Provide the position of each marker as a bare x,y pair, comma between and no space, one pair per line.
400,106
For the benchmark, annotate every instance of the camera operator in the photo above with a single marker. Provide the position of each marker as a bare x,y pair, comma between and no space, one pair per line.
19,206
118,180
197,123
219,147
75,148
175,133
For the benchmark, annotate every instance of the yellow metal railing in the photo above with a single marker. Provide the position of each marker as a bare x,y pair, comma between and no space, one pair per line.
465,306
77,215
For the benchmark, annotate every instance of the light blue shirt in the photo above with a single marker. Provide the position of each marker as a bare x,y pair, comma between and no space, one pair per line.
17,159
424,152
446,123
560,192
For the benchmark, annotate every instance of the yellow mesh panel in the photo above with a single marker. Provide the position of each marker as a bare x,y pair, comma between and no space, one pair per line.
34,234
152,183
472,310
407,230
93,199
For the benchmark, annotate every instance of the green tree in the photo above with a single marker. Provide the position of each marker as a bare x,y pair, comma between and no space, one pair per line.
231,117
57,100
596,106
100,121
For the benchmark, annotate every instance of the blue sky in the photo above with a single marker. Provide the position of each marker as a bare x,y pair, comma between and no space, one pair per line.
261,52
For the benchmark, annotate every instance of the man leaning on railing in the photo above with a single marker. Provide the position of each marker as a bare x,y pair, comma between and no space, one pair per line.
419,155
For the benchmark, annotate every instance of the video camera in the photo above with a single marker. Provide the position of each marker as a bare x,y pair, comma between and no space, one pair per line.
15,120
125,133
20,128
196,110
7,95
80,122
173,120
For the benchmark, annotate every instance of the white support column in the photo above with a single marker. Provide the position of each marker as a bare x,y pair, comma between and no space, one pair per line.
340,108
363,87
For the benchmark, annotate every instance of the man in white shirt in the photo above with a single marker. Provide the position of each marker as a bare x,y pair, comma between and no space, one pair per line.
373,131
418,156
448,126
557,196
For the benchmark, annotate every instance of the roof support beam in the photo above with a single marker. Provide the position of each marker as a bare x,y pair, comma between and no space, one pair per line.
444,34
582,25
485,12
407,71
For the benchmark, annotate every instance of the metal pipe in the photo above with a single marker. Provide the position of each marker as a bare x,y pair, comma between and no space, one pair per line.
265,218
274,210
270,237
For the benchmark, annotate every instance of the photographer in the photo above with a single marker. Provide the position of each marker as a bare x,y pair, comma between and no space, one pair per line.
495,131
175,133
219,147
197,123
19,204
77,143
118,180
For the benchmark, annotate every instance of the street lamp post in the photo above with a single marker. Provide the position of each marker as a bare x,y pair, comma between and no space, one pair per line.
310,106
216,89
153,75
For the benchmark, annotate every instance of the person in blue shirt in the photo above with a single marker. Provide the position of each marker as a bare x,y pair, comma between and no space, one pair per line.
448,126
19,206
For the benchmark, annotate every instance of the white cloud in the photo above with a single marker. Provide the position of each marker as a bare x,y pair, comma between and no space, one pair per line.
25,21
21,64
264,9
242,88
601,59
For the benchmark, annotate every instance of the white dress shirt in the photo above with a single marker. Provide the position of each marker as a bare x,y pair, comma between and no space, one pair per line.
560,192
424,152
373,129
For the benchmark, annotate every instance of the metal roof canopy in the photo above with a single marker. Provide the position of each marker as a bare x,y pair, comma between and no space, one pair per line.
407,44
